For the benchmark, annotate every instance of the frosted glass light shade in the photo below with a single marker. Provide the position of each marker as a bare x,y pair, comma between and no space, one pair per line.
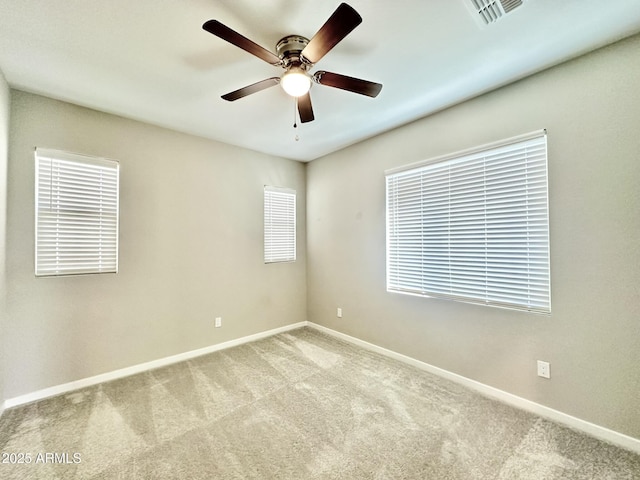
295,82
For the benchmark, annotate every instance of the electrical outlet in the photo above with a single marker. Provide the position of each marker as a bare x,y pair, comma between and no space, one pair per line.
218,323
339,313
544,370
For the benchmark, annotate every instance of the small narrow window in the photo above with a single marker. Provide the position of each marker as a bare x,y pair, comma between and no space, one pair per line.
473,226
76,214
279,225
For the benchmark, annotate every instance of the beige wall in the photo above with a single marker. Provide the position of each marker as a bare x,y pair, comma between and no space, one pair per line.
591,109
4,141
191,248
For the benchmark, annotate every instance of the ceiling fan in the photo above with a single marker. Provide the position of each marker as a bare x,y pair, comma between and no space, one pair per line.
297,55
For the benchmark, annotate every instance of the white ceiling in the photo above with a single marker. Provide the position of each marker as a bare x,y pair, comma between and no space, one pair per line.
150,60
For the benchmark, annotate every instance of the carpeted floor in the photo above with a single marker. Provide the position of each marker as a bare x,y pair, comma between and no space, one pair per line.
300,405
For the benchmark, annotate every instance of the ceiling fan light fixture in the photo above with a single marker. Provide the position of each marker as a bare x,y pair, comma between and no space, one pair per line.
297,55
296,82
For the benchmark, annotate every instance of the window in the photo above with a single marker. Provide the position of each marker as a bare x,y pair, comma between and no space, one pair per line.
473,226
76,214
279,225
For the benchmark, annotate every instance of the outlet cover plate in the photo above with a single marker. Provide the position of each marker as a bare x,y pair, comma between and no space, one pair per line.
544,369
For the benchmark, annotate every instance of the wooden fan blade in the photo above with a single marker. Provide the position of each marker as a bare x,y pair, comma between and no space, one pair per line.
253,88
338,26
351,84
304,108
225,33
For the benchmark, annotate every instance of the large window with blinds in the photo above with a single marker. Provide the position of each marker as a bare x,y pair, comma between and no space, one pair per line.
473,226
76,214
279,225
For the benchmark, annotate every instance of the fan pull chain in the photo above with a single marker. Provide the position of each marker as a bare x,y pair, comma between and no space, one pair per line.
295,116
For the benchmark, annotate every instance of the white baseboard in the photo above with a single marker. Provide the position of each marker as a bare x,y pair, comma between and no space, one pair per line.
602,433
142,367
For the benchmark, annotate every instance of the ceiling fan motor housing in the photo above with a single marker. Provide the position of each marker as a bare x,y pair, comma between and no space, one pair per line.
289,48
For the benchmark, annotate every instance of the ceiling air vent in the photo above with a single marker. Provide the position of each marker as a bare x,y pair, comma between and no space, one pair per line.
490,11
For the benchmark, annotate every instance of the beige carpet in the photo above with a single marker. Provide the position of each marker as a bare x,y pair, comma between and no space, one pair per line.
299,405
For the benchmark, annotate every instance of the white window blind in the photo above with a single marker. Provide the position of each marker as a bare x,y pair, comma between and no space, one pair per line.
473,226
76,214
279,225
